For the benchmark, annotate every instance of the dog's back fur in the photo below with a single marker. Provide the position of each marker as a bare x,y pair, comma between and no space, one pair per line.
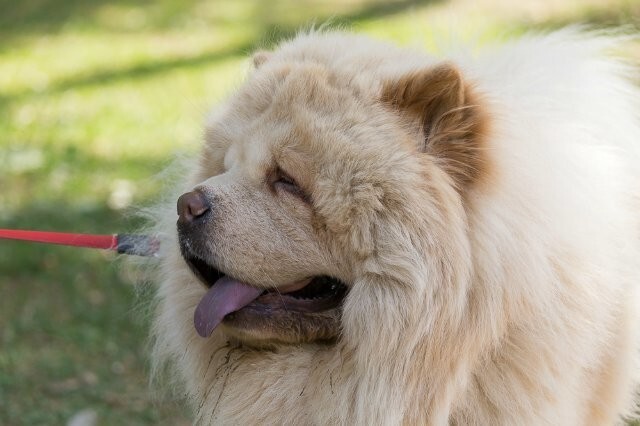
539,324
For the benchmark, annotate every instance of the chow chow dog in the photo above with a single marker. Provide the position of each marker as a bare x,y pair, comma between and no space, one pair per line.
376,236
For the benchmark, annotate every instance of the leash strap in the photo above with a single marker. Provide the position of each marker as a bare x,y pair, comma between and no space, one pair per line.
140,245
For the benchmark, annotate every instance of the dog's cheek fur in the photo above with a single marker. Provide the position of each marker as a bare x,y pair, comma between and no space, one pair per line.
417,279
407,238
349,210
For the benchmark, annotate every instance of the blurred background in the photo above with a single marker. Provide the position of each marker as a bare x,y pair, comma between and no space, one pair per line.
97,98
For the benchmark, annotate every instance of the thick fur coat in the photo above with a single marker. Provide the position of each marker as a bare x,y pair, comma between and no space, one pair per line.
483,213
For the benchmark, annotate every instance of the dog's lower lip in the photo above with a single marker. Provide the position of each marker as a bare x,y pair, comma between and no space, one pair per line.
270,300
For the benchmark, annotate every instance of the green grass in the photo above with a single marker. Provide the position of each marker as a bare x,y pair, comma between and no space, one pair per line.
96,98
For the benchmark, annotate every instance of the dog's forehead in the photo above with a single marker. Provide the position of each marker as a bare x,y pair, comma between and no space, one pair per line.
304,106
308,116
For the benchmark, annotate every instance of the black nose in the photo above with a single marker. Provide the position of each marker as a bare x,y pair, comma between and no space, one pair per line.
192,206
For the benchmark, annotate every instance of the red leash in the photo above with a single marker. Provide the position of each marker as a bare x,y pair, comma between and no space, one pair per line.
140,245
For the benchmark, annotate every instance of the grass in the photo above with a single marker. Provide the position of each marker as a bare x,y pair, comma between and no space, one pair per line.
96,98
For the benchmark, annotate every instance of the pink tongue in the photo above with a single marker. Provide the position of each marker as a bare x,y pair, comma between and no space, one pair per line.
224,297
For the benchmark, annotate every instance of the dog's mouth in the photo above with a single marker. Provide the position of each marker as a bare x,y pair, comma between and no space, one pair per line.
303,311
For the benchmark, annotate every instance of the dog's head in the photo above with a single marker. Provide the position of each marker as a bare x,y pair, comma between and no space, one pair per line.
313,178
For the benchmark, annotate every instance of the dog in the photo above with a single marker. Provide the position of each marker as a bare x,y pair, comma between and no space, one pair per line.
375,236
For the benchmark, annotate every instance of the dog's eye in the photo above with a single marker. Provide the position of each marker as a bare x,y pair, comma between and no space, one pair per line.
285,182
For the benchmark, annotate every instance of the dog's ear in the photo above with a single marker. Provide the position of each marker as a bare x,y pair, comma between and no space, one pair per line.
453,123
260,57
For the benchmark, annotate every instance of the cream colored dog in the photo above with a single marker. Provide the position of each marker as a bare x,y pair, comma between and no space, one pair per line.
373,236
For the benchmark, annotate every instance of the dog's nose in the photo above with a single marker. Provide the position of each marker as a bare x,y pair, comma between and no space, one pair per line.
192,206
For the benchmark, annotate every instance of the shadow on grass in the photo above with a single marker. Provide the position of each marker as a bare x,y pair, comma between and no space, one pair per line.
625,15
274,33
72,337
74,326
50,16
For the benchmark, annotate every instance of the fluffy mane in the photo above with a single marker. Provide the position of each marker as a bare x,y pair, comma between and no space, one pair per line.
500,290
